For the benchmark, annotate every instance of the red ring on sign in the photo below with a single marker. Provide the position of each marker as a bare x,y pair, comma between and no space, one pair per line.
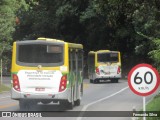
136,67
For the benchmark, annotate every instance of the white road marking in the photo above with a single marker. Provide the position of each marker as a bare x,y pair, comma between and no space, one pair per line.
5,97
94,102
107,97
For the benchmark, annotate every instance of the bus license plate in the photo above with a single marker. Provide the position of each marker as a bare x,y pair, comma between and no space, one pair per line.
39,89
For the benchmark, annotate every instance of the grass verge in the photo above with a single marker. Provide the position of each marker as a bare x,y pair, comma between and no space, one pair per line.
153,105
4,88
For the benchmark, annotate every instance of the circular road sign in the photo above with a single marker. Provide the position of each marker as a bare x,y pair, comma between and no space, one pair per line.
143,79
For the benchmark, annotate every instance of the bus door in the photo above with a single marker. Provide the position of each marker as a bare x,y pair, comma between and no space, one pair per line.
76,69
79,75
73,72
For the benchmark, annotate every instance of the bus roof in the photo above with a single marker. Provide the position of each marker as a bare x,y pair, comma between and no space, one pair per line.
74,45
101,51
50,39
92,52
71,45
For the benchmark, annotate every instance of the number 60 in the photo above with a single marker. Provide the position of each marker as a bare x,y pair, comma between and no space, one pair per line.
145,78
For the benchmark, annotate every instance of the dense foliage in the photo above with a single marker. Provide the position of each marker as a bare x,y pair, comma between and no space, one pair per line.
130,26
8,10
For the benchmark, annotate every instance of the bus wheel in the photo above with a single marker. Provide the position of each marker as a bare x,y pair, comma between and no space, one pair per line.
25,105
115,80
91,81
77,102
66,104
96,81
70,105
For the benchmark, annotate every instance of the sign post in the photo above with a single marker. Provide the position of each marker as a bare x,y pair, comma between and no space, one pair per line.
144,107
143,80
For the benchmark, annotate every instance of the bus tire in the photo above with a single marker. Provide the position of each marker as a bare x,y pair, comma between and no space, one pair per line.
96,81
77,102
91,81
70,105
66,105
115,80
25,105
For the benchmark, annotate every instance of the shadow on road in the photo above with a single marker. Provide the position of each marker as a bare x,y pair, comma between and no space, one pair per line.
54,107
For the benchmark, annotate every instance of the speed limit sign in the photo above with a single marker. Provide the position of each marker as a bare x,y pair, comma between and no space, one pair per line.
143,79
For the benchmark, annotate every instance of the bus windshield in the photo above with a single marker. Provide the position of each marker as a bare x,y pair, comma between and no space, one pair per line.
35,54
107,57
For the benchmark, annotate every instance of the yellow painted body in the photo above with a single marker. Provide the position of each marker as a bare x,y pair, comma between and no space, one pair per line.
15,68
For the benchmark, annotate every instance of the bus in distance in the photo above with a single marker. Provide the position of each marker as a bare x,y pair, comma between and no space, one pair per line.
104,65
47,70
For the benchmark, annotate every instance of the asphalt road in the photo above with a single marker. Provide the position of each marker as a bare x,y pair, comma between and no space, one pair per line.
97,97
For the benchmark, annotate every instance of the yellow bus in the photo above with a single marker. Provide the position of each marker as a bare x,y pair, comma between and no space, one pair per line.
104,65
47,70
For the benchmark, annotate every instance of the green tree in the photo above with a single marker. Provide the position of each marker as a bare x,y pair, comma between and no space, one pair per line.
98,24
8,9
109,23
155,53
146,21
55,19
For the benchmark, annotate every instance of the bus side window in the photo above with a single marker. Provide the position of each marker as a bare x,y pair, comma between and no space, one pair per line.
80,60
76,61
72,60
